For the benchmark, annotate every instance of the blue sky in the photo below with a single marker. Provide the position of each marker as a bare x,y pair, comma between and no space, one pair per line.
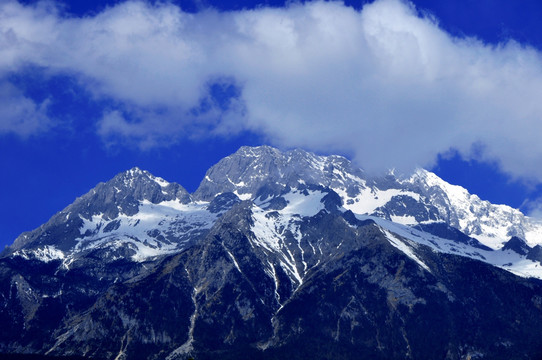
91,88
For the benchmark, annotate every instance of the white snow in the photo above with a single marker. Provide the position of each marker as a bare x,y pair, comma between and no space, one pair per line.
276,280
405,220
303,205
90,224
246,196
371,199
406,249
166,217
46,253
264,230
135,171
160,181
507,260
239,184
233,258
269,232
491,224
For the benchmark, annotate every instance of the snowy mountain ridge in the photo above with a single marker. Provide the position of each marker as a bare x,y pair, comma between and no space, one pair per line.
276,253
422,197
272,228
489,223
141,216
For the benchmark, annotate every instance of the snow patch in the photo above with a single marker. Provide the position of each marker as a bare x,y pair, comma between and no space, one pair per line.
246,196
405,220
264,230
507,260
160,181
406,249
303,205
371,199
147,232
46,254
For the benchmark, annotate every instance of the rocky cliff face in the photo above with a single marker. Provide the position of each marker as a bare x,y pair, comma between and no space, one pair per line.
276,254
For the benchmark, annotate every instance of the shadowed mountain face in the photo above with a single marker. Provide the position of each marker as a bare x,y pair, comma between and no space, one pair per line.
275,255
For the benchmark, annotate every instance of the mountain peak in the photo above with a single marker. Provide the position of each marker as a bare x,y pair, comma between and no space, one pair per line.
123,194
256,151
517,245
127,189
252,168
137,173
136,170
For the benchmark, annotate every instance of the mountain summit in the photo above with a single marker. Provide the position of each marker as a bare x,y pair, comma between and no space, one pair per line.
252,170
276,254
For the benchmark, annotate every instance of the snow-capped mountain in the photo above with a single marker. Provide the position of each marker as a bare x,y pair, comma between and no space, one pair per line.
420,198
491,224
142,216
135,215
272,250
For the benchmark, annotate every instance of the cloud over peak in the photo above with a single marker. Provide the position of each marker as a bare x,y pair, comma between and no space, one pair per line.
384,84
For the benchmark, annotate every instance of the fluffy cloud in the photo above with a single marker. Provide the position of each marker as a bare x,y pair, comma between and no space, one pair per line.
383,84
19,114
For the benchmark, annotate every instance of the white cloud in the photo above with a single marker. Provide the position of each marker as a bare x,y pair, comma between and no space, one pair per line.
532,207
20,115
384,83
